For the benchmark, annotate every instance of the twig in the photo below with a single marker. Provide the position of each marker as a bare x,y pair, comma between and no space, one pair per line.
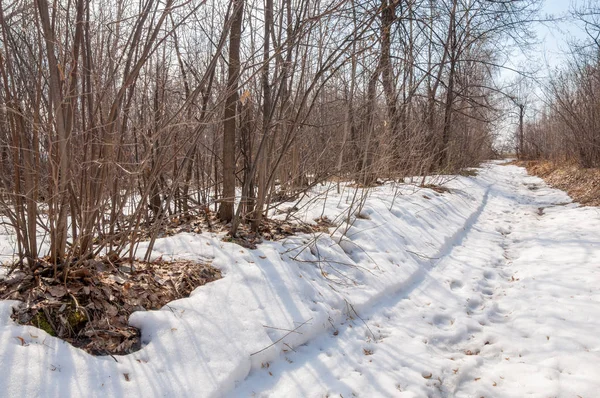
4,297
288,346
358,316
283,337
422,255
284,330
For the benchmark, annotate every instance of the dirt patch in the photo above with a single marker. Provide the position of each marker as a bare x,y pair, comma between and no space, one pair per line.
583,185
91,309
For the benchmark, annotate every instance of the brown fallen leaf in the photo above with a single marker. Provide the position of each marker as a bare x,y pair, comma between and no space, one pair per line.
57,291
126,375
427,376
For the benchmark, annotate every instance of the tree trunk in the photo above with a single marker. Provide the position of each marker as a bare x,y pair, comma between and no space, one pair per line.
229,124
521,154
264,159
58,236
452,50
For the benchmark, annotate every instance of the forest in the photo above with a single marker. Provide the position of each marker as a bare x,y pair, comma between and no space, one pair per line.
324,167
119,116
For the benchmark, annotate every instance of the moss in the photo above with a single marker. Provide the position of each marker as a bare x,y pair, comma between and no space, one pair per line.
40,321
77,320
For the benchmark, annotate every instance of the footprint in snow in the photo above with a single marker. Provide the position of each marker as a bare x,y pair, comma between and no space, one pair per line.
473,303
489,275
483,283
503,230
443,321
456,284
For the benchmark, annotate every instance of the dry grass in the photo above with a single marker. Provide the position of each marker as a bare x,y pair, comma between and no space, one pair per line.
583,185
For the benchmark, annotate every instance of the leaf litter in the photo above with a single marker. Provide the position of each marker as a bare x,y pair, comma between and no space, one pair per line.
91,310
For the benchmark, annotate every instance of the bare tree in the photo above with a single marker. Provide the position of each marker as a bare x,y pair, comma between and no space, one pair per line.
229,122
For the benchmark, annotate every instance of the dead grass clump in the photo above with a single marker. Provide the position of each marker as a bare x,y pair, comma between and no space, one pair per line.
470,172
583,185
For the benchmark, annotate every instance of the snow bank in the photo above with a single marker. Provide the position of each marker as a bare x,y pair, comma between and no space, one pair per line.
271,299
512,311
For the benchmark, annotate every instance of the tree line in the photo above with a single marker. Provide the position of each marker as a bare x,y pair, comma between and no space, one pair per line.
567,127
118,115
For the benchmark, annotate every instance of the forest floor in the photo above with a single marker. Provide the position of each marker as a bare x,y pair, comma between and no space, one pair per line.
490,287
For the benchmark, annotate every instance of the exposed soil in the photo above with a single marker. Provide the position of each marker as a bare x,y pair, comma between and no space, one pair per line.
91,309
583,185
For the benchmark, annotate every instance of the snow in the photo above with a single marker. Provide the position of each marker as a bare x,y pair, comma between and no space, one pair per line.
475,292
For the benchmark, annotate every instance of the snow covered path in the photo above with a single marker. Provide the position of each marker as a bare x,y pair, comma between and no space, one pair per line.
491,289
511,309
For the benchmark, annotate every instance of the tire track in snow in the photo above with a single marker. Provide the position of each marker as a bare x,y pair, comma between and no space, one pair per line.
452,330
398,291
414,281
417,281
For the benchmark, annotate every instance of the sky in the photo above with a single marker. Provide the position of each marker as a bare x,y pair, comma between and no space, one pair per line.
554,36
553,41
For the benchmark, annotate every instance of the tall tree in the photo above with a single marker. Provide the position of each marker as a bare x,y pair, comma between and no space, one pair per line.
229,118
